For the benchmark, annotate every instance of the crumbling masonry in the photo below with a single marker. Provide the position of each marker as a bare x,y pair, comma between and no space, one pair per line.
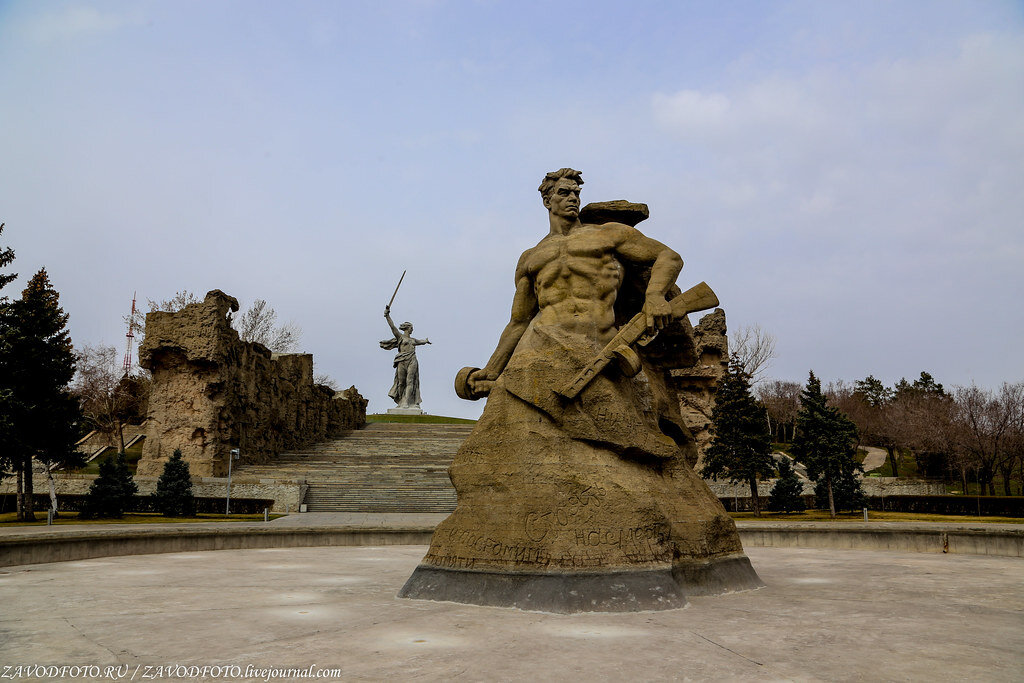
213,393
695,385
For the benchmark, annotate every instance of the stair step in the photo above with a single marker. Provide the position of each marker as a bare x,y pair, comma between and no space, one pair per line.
386,467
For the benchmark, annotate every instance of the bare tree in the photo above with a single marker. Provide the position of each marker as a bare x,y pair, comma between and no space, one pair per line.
781,400
984,422
257,325
177,302
108,396
1010,402
326,380
755,349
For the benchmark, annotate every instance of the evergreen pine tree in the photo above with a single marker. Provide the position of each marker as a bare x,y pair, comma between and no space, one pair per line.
37,363
111,492
846,491
173,496
740,449
787,494
826,444
6,258
6,395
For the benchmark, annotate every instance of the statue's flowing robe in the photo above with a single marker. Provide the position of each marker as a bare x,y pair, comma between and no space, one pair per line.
405,391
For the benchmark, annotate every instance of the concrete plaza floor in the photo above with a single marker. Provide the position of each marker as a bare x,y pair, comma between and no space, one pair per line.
825,615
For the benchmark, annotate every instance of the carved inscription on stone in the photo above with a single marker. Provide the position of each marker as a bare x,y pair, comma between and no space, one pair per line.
576,508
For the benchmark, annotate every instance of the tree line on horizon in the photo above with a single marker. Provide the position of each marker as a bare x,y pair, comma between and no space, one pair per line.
965,434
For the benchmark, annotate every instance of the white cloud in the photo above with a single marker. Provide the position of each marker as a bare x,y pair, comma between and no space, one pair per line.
690,112
934,128
896,183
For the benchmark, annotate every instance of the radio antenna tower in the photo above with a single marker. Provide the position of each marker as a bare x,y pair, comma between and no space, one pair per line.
130,337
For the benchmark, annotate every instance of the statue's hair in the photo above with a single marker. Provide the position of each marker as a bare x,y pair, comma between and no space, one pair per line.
552,178
405,325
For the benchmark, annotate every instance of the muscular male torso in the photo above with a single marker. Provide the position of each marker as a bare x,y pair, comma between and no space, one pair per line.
576,278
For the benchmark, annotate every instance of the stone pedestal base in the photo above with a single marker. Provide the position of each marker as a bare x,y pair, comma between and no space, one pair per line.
570,592
553,523
405,411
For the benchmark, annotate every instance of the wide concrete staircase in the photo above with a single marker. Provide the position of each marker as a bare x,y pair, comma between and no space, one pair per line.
382,468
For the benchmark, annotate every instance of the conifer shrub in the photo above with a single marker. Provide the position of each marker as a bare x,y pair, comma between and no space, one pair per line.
111,493
173,496
846,492
740,449
787,493
826,443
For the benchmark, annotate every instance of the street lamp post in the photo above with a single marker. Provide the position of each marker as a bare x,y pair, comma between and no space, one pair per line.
233,456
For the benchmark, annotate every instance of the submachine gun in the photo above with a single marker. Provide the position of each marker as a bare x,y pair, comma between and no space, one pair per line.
620,349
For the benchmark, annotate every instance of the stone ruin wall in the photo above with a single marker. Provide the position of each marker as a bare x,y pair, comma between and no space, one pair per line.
213,392
696,385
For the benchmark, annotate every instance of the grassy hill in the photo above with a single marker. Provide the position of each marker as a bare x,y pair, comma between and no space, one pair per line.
419,419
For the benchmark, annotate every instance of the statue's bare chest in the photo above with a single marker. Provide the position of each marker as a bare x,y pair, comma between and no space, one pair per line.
582,251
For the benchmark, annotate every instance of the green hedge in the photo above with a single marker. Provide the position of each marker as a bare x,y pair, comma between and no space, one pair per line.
74,502
985,506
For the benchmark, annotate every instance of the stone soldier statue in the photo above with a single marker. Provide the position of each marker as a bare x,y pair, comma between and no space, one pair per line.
406,390
575,488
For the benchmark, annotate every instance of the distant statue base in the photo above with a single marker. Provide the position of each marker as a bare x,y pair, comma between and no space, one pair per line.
405,411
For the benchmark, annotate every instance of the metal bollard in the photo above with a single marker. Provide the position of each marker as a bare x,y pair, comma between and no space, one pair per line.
865,514
49,517
266,514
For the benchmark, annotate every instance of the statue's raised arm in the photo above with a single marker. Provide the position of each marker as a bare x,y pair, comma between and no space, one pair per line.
391,324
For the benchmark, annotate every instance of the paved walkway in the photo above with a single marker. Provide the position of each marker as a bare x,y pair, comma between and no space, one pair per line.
874,459
824,615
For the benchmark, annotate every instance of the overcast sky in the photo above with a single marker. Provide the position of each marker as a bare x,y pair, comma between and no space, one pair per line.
847,175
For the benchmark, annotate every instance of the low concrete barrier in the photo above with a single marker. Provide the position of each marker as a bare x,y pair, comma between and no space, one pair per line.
981,539
80,545
63,544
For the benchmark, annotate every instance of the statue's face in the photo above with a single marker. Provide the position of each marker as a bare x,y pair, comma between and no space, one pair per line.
564,200
405,327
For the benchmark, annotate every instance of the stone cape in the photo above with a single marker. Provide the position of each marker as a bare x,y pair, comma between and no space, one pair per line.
581,506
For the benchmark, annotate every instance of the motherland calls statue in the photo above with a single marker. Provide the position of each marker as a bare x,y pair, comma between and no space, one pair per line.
574,489
406,389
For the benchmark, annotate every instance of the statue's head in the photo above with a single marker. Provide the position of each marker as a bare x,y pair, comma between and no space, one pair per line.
406,327
560,191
